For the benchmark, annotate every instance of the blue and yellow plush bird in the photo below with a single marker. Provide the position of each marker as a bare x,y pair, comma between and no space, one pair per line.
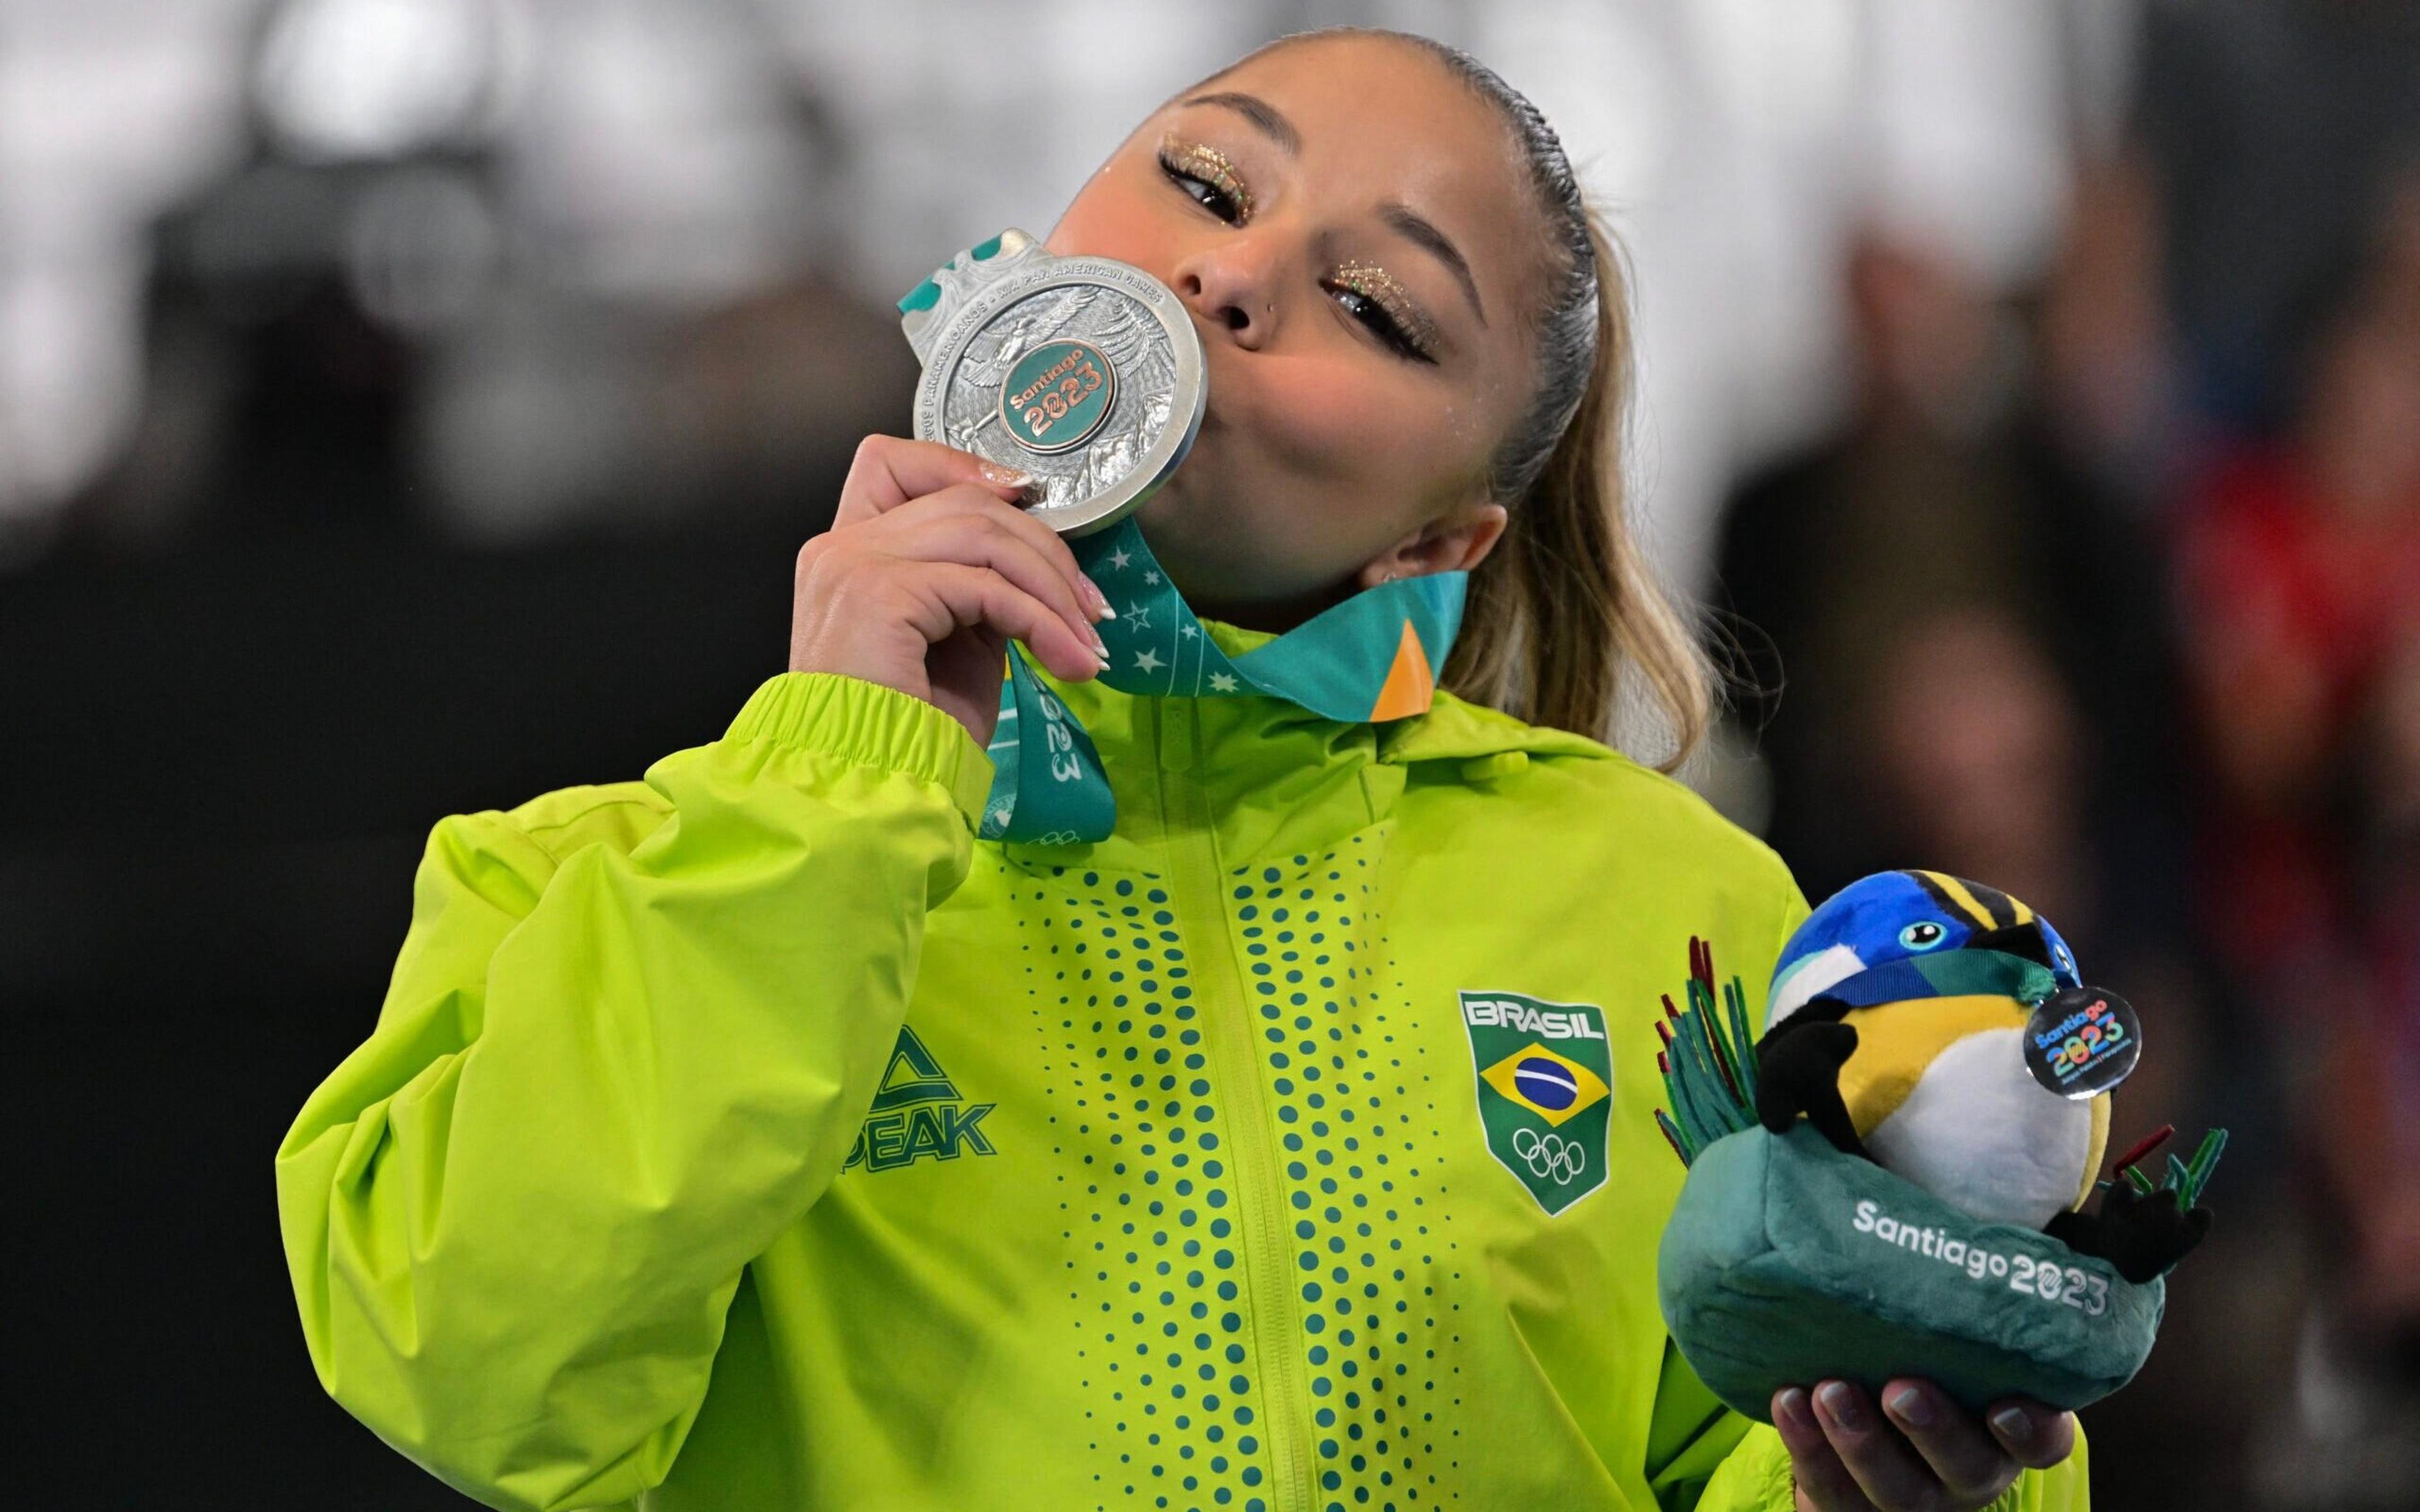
1897,1024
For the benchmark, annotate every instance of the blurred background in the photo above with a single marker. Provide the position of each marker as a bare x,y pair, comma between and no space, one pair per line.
408,407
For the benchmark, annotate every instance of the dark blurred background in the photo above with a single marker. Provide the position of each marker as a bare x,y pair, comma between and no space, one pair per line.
408,407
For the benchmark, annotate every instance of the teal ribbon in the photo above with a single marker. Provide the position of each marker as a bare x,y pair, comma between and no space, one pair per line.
1373,657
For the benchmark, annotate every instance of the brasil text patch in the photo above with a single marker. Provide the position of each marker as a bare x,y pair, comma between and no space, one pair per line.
1545,1093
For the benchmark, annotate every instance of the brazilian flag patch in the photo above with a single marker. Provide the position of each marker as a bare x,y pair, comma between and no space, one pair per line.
1546,1094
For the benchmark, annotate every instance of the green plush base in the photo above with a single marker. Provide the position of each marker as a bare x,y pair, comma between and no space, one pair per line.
1766,1280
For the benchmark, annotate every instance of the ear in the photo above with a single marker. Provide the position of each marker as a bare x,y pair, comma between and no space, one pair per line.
1455,543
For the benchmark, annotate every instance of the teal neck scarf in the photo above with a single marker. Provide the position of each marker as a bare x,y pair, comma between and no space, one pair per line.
1375,656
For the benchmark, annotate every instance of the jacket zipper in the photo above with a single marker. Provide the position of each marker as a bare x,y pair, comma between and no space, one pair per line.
1284,1414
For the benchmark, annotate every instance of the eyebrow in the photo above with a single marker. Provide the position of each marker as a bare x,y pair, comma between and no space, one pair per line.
1259,113
1410,224
1416,229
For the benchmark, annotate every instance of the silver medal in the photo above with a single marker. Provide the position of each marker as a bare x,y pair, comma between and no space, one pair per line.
1085,372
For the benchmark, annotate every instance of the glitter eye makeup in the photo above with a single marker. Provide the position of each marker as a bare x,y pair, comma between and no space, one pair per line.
1371,294
1368,281
1207,164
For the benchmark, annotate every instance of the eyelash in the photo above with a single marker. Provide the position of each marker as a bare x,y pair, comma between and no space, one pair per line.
1391,327
1205,167
1233,205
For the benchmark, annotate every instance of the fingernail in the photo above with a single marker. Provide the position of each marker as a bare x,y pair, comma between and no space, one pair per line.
1100,601
1100,647
1910,1407
2014,1424
1007,477
1843,1404
1792,1405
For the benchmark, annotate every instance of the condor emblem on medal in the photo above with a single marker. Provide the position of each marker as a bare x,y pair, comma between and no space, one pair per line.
1085,372
1545,1095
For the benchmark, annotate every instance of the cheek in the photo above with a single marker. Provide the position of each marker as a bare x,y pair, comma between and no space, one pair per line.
1111,217
1340,420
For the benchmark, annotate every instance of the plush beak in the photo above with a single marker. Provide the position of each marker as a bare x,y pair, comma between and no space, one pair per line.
2023,940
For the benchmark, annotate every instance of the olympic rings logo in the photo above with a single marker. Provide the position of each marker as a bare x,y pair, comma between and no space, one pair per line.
996,828
1550,1156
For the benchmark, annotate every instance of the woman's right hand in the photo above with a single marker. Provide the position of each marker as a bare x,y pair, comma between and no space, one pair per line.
927,572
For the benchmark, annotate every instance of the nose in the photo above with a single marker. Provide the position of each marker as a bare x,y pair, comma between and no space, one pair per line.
1232,284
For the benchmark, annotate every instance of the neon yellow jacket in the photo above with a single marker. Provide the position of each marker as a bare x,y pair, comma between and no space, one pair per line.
752,1137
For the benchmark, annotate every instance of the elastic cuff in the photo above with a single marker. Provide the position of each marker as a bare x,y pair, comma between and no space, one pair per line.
1762,1463
868,722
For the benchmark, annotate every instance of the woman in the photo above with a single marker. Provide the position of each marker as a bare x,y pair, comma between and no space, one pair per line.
755,1136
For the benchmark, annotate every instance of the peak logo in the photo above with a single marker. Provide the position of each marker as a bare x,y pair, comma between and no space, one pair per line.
917,1113
1545,1092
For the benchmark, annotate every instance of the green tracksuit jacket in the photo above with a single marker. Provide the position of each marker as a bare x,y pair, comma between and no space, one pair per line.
753,1136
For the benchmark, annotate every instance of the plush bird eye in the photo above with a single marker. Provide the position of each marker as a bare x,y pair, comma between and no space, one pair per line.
1922,935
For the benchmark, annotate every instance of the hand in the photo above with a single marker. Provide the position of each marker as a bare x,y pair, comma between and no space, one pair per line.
927,572
1924,1454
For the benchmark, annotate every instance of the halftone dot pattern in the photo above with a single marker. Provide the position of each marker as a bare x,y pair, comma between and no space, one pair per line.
1156,1269
1359,1146
1164,1344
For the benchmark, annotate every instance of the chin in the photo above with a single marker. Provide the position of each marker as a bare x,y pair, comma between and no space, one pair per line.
1171,511
1187,547
1162,518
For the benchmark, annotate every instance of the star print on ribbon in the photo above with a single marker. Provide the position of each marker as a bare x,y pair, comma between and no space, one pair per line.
1372,658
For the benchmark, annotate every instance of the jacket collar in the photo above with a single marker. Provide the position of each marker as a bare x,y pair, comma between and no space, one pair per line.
1453,729
1275,773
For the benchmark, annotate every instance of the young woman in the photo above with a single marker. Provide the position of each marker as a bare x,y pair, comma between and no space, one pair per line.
756,1135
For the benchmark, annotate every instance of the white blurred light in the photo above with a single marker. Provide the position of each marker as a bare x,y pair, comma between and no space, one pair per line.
371,79
939,102
1782,73
108,112
1594,71
655,157
1967,150
70,371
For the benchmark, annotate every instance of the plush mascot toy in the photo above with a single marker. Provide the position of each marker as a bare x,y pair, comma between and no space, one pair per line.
1898,1024
1896,1181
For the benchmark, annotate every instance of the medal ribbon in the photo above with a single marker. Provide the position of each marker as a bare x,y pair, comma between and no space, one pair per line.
1373,657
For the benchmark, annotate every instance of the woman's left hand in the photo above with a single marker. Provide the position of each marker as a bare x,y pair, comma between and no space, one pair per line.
1922,1452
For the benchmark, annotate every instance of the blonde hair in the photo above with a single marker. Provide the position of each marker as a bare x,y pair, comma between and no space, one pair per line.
1567,604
